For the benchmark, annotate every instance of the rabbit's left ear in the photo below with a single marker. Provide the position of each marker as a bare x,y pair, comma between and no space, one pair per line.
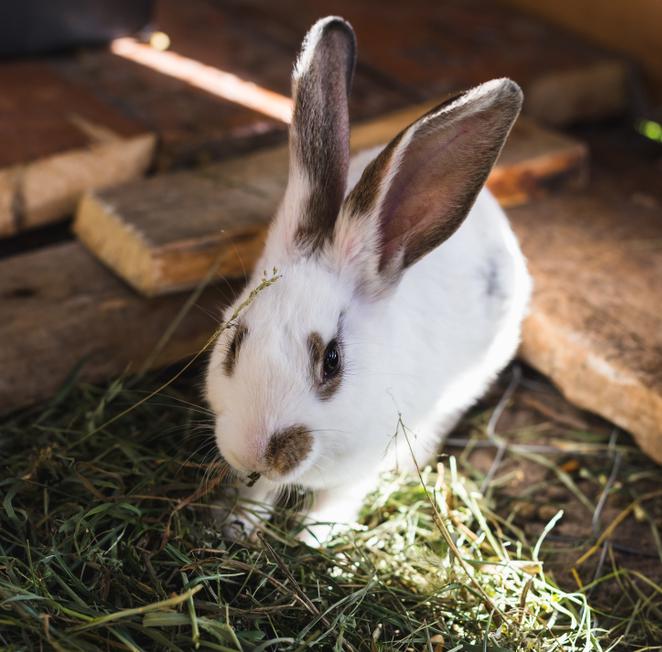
319,135
419,189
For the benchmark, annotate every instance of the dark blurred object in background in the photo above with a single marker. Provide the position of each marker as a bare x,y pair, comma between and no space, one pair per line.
32,26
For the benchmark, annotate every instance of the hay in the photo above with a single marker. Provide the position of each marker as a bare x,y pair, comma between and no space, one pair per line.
96,551
108,541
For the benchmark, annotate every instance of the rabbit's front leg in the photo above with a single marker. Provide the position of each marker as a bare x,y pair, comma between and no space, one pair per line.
334,511
242,513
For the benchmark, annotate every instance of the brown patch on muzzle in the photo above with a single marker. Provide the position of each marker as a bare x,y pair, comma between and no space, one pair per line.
287,448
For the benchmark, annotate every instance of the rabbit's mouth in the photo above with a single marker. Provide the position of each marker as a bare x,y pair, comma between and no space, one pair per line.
252,478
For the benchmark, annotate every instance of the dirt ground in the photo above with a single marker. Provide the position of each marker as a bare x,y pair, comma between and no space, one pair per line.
554,456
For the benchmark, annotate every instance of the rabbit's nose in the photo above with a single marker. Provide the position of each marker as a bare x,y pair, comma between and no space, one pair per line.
287,448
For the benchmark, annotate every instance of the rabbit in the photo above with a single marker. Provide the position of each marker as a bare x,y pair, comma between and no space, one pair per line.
400,296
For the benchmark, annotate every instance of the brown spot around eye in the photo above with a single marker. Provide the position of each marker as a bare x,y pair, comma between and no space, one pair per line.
287,448
316,350
233,350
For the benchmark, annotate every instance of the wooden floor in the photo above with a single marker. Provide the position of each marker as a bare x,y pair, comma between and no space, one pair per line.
595,326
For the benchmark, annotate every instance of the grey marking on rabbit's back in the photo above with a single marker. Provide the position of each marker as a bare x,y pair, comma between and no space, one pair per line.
492,279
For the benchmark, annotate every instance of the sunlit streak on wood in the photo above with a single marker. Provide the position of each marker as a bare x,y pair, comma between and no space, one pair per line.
210,79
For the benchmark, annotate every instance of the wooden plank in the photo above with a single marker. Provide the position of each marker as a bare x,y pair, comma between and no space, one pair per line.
595,324
57,142
60,307
165,233
427,48
194,126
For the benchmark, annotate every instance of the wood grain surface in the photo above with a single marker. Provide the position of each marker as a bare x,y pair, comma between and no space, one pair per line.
59,140
164,234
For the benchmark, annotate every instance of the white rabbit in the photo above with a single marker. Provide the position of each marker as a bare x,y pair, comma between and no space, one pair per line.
402,289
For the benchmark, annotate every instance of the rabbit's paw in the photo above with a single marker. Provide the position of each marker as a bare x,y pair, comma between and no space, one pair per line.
241,513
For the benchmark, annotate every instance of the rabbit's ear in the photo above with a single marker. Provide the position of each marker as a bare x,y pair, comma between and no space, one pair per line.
319,134
419,189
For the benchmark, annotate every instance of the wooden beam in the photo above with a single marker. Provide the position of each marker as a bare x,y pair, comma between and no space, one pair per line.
595,323
61,308
164,234
57,142
195,126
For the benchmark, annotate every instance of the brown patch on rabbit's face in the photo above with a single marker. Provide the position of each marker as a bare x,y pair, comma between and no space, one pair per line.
233,349
316,348
288,448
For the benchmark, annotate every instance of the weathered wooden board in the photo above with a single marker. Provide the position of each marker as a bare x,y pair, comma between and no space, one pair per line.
58,141
60,307
595,325
426,48
632,27
165,233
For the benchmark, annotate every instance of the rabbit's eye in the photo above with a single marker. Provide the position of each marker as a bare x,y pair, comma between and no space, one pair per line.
331,363
326,364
